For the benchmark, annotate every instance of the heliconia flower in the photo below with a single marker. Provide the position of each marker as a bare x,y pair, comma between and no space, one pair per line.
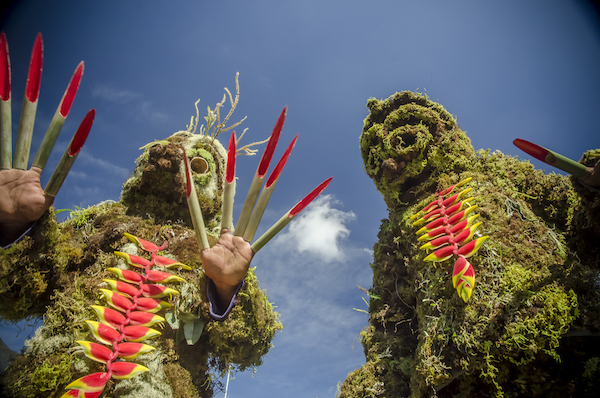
117,301
446,229
125,327
151,305
96,352
137,334
456,218
125,370
447,207
463,236
144,244
455,198
442,211
169,263
463,278
132,350
91,383
140,318
162,277
110,317
103,333
442,254
123,288
136,261
127,275
471,248
459,184
158,291
77,394
431,206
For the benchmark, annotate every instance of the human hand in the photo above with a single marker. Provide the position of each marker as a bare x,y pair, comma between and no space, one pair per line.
22,201
593,177
227,264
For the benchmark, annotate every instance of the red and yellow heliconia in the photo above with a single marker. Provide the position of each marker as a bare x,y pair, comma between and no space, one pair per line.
449,230
120,330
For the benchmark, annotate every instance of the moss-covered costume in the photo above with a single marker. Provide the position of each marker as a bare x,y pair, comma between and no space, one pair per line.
532,325
57,272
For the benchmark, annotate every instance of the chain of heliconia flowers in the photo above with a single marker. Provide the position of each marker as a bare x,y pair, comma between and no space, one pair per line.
126,326
450,231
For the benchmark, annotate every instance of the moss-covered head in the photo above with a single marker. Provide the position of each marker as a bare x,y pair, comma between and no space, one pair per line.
407,139
157,186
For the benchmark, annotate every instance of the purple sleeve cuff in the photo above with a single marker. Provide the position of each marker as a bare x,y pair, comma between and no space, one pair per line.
28,231
213,308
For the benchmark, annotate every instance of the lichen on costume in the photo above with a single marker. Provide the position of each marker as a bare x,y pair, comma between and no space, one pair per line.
531,325
67,262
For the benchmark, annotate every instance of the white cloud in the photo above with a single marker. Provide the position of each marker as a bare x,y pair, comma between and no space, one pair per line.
135,103
112,94
107,167
319,230
310,272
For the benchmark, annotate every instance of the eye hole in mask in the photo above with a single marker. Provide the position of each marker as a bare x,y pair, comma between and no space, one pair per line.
199,165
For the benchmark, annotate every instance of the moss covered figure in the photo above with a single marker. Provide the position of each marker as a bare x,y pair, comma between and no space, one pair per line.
58,270
531,326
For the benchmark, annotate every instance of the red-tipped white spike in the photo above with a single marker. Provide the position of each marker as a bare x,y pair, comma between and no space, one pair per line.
58,119
194,205
5,106
30,101
229,189
289,216
265,195
259,177
68,158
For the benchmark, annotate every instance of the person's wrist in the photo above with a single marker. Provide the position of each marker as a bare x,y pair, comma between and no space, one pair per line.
226,289
10,231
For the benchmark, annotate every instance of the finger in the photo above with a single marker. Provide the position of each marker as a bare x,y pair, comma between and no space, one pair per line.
30,101
68,158
49,201
5,107
58,119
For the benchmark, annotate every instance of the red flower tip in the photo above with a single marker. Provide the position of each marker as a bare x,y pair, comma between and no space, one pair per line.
231,159
270,149
277,170
309,198
534,150
82,133
34,76
72,88
4,69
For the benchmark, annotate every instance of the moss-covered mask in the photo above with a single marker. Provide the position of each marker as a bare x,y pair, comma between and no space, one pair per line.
406,139
157,187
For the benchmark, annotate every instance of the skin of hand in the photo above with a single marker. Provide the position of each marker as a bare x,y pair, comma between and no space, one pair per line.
227,263
22,201
593,179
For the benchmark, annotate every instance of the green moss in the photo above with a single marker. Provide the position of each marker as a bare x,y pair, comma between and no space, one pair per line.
245,336
536,276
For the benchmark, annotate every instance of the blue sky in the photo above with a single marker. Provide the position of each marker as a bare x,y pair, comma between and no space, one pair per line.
507,70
